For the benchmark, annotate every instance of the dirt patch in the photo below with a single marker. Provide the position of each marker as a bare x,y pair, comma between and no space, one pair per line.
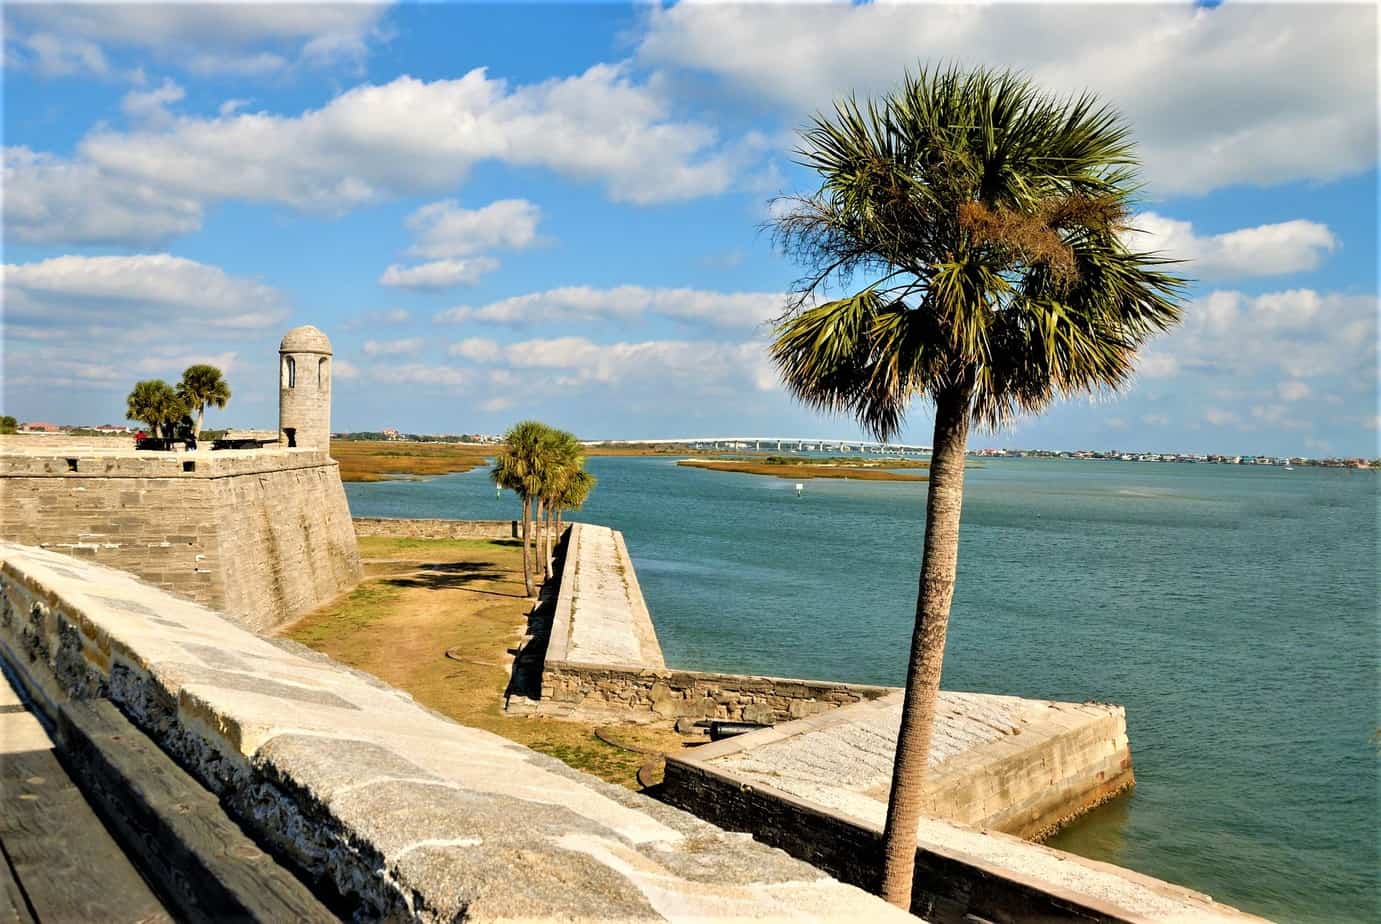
423,598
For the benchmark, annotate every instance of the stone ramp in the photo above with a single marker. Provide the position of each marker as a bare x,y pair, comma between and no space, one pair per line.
395,808
1023,766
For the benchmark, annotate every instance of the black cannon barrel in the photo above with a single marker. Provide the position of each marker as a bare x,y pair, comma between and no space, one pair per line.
721,729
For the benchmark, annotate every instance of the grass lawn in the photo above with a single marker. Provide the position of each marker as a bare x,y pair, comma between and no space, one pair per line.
424,597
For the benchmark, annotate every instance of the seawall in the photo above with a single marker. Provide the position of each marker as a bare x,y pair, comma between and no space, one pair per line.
395,811
262,535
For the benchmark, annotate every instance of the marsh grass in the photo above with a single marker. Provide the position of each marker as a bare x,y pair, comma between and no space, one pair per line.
376,460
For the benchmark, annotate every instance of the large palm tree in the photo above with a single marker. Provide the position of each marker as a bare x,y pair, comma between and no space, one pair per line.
157,404
988,219
202,386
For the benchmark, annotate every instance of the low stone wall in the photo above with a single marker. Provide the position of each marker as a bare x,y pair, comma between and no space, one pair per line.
436,528
392,810
674,694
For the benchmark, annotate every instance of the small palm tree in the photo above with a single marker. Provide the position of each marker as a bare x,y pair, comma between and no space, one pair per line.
563,458
518,467
156,403
202,386
988,218
573,494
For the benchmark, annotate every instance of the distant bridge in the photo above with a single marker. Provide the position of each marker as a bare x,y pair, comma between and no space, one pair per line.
777,443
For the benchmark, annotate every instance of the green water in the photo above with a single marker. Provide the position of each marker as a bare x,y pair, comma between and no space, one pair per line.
1232,610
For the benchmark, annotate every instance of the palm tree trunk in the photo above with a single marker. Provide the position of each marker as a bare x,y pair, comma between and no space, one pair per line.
939,562
546,549
537,538
201,418
527,560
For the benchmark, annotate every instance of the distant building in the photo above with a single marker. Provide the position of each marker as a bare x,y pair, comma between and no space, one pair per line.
38,426
391,434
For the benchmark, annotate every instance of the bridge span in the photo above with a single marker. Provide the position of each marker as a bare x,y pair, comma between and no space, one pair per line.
775,443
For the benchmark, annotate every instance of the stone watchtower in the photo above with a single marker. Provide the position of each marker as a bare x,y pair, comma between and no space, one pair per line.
304,389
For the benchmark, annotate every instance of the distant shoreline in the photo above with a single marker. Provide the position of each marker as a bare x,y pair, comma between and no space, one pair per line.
869,471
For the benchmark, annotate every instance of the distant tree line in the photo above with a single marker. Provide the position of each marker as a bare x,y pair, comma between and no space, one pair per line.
173,411
545,467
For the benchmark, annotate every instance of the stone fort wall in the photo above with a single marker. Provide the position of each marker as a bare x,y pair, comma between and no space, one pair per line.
261,535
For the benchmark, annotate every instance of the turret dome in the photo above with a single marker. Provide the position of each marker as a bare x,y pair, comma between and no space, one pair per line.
305,339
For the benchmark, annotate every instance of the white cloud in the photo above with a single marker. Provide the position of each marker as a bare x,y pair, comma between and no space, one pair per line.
1219,417
478,349
48,200
50,55
422,374
376,143
438,274
410,136
344,369
152,105
686,366
1240,93
1293,390
1157,366
392,347
161,288
96,324
444,230
1283,337
570,304
1266,250
204,38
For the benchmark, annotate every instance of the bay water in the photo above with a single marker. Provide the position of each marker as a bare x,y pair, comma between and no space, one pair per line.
1233,610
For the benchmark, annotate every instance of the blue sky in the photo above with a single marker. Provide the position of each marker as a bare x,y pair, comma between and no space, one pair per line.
555,211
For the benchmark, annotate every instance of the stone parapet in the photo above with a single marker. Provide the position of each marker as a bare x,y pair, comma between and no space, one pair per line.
79,463
393,811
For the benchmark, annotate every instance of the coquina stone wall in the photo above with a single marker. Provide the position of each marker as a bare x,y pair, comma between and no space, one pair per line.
262,535
436,528
697,695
